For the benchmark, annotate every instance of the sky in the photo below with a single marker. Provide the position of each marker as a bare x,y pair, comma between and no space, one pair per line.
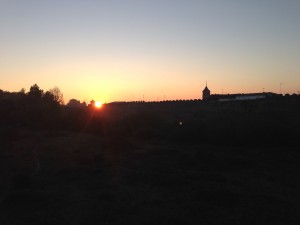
130,50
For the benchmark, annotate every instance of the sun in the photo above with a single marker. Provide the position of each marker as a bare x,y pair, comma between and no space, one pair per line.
98,104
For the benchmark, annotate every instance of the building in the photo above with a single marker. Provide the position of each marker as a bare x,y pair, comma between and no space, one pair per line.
234,97
205,93
237,97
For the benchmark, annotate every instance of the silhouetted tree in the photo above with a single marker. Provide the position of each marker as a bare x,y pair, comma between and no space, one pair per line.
35,91
48,97
22,91
92,103
58,95
74,103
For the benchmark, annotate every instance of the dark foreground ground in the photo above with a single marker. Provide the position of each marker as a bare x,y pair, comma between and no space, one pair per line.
75,178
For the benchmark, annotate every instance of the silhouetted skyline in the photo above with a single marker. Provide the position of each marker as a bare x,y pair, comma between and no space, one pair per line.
135,50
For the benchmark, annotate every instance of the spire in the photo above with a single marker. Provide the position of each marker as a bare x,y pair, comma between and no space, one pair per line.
205,92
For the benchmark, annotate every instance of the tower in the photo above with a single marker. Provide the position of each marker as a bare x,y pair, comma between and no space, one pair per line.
205,93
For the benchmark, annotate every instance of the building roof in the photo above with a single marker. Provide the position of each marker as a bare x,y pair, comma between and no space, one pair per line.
241,96
206,89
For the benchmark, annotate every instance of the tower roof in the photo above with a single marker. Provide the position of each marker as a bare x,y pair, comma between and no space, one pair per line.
206,89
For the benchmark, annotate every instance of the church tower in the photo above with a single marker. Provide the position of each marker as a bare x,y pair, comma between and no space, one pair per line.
205,93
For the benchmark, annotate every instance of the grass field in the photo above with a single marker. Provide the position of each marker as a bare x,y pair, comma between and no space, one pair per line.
64,177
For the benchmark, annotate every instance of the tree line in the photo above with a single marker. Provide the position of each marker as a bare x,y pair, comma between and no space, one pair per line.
42,109
271,121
